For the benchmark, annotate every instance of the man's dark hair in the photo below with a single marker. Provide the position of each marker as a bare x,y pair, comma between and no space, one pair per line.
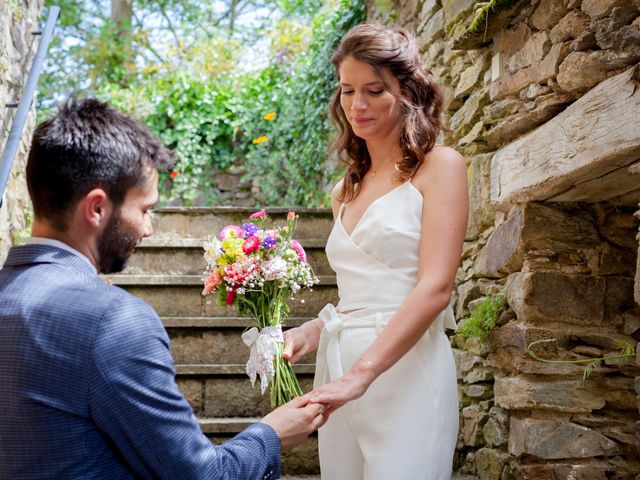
88,144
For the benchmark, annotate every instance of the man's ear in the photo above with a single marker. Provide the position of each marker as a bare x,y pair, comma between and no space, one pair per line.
96,207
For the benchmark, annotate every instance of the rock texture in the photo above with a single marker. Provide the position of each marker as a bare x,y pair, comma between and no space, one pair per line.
543,102
17,47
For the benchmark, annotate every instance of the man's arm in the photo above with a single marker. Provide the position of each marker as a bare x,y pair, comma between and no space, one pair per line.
135,401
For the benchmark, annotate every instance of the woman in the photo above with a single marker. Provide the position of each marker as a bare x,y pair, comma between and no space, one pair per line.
400,219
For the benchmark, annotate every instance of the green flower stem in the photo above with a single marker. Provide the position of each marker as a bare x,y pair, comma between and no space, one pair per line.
284,385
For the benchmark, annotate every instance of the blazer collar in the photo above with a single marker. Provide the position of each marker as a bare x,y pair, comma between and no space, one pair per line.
34,254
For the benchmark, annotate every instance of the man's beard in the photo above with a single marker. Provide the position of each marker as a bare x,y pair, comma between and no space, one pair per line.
115,246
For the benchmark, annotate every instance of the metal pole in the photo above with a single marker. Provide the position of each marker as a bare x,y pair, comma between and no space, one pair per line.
24,106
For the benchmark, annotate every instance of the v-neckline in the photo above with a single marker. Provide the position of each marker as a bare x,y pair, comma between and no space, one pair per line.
366,210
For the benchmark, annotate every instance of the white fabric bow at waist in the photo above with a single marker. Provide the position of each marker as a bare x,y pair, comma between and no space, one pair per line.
328,358
263,345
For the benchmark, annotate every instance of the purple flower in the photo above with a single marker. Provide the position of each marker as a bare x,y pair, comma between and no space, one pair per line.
249,229
269,242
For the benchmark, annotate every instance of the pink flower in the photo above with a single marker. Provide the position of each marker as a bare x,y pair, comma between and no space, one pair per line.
299,250
240,272
232,231
259,214
251,244
291,215
231,297
211,282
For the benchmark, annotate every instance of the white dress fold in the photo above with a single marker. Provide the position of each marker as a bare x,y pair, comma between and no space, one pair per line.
405,427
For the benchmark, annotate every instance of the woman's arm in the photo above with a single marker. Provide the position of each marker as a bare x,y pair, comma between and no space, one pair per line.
443,183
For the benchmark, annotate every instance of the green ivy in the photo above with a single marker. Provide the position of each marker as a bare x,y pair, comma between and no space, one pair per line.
483,319
293,164
212,122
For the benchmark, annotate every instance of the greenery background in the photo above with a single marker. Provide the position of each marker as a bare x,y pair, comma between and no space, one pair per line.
203,76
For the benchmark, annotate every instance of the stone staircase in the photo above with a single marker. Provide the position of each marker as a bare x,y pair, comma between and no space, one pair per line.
166,271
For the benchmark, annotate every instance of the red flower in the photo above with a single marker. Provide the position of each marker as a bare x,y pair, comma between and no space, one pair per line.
251,244
231,296
259,214
174,174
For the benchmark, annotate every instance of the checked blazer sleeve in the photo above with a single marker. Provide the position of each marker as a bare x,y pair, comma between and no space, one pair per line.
135,401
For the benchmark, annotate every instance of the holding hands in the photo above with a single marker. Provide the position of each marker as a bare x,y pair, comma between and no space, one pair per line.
301,340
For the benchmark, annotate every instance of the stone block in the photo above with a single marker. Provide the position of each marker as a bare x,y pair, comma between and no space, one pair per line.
615,32
535,114
490,463
547,15
509,41
534,50
571,26
580,71
468,114
535,226
193,392
552,297
236,397
470,76
562,471
481,211
496,430
433,29
429,7
585,41
557,439
597,9
516,393
455,10
473,419
501,109
540,72
478,391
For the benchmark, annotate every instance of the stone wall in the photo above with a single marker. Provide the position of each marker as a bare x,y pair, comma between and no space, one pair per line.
542,101
17,47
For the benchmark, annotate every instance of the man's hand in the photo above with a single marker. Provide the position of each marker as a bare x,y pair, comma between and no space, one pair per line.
302,340
295,421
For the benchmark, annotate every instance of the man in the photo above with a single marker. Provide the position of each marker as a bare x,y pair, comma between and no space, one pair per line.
87,384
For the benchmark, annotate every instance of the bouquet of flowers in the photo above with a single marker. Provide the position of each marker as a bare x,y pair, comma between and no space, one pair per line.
257,268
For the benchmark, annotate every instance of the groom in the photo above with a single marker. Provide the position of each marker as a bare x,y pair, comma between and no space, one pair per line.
87,385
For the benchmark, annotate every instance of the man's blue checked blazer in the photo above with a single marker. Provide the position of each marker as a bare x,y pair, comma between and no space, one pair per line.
87,385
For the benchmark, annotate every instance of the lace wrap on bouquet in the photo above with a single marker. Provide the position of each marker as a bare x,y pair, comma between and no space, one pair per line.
264,346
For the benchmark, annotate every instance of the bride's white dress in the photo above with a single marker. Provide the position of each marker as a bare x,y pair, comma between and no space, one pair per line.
405,427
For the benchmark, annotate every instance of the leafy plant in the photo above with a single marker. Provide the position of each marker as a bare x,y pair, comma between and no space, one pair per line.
482,319
626,351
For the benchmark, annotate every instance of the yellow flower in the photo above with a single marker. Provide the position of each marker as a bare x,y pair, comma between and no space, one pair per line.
261,139
270,116
233,247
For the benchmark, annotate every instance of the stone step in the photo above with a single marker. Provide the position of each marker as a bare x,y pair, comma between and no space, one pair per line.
314,223
122,279
302,460
214,340
185,257
175,299
226,391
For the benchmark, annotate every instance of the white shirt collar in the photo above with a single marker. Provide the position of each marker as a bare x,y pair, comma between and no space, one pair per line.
56,243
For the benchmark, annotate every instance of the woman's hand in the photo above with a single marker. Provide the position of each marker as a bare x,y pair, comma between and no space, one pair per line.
301,340
350,386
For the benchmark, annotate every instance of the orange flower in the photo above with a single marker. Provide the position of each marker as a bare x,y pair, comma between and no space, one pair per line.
270,116
174,174
261,139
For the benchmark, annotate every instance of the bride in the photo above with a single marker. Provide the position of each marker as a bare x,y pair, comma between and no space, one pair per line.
385,368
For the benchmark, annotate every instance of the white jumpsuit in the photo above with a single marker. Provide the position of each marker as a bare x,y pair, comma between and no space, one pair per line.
405,426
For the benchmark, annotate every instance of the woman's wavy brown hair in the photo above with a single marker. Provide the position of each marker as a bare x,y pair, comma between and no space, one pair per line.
394,51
